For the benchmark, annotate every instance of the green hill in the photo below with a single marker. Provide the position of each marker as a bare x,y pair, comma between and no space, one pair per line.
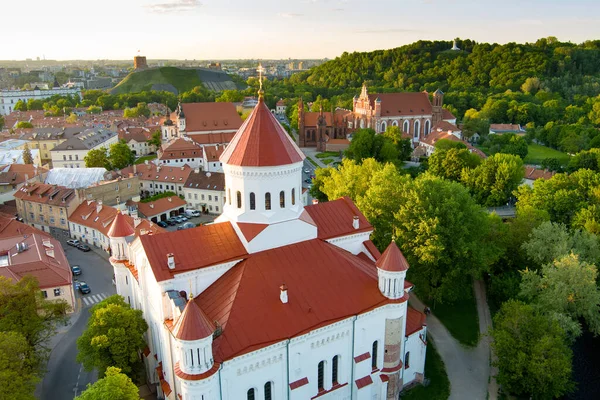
175,80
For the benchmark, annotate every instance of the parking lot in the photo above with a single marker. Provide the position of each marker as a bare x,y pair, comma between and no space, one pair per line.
202,219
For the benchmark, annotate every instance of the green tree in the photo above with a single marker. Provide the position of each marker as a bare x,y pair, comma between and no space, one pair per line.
20,106
350,178
449,164
113,337
493,182
27,157
552,164
156,139
447,144
120,155
403,145
18,373
114,385
230,96
97,158
35,105
2,122
72,118
567,291
316,191
550,241
533,357
585,160
23,125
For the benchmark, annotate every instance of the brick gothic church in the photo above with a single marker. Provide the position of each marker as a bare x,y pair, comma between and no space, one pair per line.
413,113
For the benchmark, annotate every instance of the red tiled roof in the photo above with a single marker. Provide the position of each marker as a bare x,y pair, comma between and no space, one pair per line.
139,134
193,324
534,173
210,117
120,227
402,104
311,118
196,377
213,153
364,381
506,127
10,227
15,173
374,251
151,172
318,276
299,383
444,126
212,138
180,148
392,259
446,114
159,206
193,248
46,194
415,320
334,218
250,231
261,142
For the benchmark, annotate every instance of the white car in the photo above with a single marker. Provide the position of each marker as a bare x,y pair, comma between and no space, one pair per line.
192,213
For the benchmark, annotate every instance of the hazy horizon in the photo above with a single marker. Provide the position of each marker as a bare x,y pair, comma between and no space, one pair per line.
270,29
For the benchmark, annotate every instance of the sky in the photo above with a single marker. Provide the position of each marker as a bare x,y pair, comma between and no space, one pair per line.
276,29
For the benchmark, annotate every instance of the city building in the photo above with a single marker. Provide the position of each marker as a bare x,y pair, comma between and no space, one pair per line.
205,191
46,206
280,107
91,222
42,257
14,176
274,300
113,192
160,209
210,158
156,179
315,129
9,98
71,153
45,139
426,145
16,157
179,152
137,139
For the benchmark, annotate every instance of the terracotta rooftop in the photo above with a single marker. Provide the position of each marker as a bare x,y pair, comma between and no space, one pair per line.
159,206
46,194
213,153
311,118
261,142
193,324
211,117
161,173
139,134
415,321
402,104
15,173
392,259
44,259
535,173
206,181
10,227
506,128
212,138
180,148
444,126
335,218
120,227
194,248
245,300
446,114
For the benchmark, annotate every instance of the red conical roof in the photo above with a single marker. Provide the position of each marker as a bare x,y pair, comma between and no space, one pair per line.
392,259
193,324
120,227
261,142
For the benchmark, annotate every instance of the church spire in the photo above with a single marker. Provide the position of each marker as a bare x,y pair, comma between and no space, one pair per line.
261,92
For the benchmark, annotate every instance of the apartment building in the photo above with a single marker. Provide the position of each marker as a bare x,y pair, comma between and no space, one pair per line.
46,206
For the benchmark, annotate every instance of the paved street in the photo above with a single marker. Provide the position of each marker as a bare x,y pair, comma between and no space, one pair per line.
65,378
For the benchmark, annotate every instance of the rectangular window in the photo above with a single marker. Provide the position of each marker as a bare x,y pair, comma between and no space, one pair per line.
321,376
216,198
62,221
52,220
56,292
374,355
195,196
189,196
201,197
44,294
209,197
216,208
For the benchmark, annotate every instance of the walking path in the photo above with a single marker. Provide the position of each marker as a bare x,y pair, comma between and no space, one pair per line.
468,369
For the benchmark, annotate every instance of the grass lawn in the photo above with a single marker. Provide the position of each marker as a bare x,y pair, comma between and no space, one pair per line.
327,160
439,385
137,81
142,160
313,162
460,318
328,154
536,153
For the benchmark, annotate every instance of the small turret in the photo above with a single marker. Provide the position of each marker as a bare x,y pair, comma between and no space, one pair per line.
391,269
119,233
181,117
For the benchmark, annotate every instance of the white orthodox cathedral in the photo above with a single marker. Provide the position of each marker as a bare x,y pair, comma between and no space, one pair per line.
274,300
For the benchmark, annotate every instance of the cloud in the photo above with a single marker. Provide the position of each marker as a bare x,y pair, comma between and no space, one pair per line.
290,15
173,6
389,30
530,22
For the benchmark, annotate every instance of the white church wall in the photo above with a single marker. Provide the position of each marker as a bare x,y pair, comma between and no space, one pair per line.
351,243
416,347
281,234
196,281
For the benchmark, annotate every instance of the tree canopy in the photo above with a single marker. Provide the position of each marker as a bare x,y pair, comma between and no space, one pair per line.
97,158
120,155
18,375
114,385
27,157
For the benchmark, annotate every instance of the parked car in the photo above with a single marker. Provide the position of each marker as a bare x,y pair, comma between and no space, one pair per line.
178,219
192,213
162,224
188,225
83,247
76,270
306,171
73,242
308,180
84,288
172,222
181,227
183,218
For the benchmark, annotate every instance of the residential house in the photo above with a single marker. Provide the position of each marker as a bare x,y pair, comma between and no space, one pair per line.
42,257
45,139
156,179
10,98
280,107
16,157
532,174
160,209
91,221
210,158
205,191
113,192
71,153
427,145
14,176
179,152
137,140
46,206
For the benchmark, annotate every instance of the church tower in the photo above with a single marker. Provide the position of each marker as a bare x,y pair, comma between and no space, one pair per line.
263,181
301,133
438,102
321,130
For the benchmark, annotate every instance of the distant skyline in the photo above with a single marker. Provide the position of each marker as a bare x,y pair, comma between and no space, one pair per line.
272,29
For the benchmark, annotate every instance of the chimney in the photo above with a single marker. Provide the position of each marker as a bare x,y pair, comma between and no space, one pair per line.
171,260
135,168
170,199
158,168
136,218
145,162
283,294
197,170
182,167
98,206
151,205
355,224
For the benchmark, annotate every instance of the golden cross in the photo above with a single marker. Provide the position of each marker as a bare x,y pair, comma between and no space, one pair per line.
260,71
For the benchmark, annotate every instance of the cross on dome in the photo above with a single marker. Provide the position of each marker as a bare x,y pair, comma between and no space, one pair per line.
260,71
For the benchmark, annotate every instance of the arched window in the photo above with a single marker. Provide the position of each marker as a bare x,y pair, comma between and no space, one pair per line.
407,360
362,124
251,394
239,199
267,201
282,199
405,126
252,201
383,126
417,128
334,370
427,127
321,376
374,355
268,390
293,196
394,123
